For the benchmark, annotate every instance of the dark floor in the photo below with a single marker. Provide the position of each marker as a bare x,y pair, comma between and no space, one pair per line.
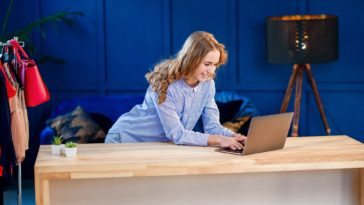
28,195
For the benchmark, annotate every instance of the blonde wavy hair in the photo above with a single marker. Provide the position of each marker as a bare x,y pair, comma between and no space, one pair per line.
195,48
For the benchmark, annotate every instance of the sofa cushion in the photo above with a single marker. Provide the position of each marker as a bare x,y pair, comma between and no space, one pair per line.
46,135
239,125
104,122
110,106
104,110
228,110
77,126
233,117
247,107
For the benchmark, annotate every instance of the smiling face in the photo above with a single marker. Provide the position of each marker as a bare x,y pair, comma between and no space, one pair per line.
206,69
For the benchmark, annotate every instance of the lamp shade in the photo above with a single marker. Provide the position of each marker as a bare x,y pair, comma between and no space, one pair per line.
301,39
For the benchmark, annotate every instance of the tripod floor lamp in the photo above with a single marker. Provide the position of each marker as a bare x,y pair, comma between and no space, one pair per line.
301,40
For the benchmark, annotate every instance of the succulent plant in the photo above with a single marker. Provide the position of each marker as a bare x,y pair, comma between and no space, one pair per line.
70,145
57,140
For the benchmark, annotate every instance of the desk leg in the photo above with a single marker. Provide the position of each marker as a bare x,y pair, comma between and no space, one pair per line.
361,186
41,190
38,189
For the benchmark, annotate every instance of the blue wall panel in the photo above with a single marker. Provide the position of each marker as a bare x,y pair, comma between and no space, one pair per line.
267,102
16,21
344,111
252,65
77,45
134,39
351,32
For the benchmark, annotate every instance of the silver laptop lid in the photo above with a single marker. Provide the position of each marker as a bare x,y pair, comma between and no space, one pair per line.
267,133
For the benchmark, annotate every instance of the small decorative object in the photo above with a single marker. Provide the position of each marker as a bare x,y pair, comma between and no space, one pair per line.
71,149
57,146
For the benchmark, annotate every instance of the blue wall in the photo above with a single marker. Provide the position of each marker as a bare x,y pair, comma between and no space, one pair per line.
117,42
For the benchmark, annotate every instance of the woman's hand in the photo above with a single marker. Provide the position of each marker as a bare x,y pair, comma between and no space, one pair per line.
241,138
235,142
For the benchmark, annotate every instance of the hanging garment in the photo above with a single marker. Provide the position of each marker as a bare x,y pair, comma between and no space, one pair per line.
7,157
18,127
11,90
21,96
19,118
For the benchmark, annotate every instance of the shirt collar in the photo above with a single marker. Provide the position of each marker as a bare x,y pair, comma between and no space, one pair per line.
188,88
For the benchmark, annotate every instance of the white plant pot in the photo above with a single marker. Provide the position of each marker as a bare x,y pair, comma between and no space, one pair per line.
70,152
57,149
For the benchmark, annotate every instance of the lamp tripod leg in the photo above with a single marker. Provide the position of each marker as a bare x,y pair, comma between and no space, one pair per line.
287,95
297,101
317,98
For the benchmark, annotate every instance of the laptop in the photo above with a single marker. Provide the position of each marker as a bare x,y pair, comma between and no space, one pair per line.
266,133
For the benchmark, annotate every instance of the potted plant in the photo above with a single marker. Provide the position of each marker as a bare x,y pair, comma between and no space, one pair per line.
57,146
71,149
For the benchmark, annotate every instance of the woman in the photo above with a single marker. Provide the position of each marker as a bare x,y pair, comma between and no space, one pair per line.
181,91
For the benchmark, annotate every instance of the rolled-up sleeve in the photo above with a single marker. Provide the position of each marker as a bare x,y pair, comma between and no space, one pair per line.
172,125
211,116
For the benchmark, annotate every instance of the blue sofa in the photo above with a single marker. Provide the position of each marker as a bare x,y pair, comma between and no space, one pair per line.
111,107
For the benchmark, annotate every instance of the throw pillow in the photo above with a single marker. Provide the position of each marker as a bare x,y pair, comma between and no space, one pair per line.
228,110
245,127
104,122
239,125
77,126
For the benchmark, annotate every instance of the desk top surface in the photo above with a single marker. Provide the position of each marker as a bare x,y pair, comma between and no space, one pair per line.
166,159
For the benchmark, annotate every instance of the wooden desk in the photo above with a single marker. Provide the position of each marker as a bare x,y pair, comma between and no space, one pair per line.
309,170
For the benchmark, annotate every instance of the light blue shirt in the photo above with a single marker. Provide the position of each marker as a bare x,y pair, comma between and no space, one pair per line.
174,119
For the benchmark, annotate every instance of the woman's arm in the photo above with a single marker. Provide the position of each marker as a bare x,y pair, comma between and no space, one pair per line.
211,115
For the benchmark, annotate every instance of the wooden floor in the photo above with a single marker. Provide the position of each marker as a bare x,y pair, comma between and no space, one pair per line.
28,195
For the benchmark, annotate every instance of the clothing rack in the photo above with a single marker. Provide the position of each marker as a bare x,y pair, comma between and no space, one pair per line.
8,44
22,44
